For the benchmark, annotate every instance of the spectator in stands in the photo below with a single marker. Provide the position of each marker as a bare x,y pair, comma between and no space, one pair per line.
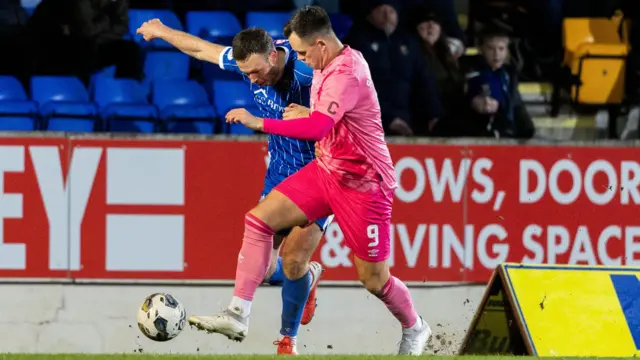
80,37
442,53
407,92
445,11
631,10
496,105
13,19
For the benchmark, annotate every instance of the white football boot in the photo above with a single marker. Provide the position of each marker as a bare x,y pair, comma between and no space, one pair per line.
227,323
415,339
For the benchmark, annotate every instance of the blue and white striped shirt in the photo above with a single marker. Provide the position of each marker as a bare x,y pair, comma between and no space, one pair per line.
287,155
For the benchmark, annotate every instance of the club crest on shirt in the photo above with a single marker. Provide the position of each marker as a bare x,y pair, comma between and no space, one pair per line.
404,50
375,46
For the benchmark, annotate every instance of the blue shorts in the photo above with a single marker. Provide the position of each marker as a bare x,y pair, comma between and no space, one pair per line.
270,181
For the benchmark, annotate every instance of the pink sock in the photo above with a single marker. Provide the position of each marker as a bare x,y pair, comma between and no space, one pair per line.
253,260
395,295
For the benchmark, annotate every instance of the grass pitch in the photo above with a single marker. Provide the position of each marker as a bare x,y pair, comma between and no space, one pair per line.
255,357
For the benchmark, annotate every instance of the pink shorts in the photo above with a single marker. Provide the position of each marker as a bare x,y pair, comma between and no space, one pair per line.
364,218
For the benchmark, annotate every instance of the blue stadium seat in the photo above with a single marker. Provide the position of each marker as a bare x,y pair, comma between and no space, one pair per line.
273,22
164,65
213,24
184,106
29,6
17,123
64,103
341,24
74,124
123,106
16,112
108,72
138,16
11,89
211,72
29,11
233,94
218,27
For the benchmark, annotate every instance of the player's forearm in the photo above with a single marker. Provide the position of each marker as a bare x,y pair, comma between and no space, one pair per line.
314,127
194,46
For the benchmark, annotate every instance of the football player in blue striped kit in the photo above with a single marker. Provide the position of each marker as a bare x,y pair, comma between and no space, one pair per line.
280,85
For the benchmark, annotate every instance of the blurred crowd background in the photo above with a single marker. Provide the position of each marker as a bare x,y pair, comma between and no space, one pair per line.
521,69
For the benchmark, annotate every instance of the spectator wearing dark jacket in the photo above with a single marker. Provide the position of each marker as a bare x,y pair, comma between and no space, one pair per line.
445,10
446,13
631,11
407,92
79,37
496,105
441,55
13,20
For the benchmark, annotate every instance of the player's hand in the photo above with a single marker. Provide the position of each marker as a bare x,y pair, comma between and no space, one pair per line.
295,111
152,29
242,116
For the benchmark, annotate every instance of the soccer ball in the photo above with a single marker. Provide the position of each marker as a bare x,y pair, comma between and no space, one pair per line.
161,317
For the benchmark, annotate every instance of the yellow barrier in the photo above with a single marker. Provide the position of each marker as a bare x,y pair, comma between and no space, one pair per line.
555,310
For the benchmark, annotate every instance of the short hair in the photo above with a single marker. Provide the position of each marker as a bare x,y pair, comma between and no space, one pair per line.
308,21
491,32
251,41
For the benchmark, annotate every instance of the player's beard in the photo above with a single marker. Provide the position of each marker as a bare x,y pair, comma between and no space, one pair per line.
273,76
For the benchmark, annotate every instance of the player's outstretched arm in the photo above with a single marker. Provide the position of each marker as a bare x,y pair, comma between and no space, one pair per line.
314,127
187,43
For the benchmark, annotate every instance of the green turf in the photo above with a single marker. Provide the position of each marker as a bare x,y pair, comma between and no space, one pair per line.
252,357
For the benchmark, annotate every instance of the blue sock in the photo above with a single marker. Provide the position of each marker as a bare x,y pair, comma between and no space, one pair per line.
278,276
294,297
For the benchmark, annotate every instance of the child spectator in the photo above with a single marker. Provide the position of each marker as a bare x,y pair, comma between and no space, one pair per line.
492,91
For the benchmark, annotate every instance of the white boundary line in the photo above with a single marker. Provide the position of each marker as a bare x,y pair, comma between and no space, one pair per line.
168,282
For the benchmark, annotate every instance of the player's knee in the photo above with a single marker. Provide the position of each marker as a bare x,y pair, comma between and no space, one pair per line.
373,284
295,264
373,276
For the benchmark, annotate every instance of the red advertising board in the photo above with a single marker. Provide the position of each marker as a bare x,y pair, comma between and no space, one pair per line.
173,210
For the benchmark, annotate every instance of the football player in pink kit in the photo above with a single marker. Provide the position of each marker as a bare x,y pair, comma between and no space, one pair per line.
353,178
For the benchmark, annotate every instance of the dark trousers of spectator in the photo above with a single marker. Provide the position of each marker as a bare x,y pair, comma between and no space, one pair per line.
81,58
632,79
13,40
14,60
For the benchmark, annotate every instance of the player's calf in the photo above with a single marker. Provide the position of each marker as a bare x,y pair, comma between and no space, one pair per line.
298,249
300,246
373,275
275,272
376,278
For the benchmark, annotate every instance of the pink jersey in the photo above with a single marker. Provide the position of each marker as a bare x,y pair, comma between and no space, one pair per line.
355,151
